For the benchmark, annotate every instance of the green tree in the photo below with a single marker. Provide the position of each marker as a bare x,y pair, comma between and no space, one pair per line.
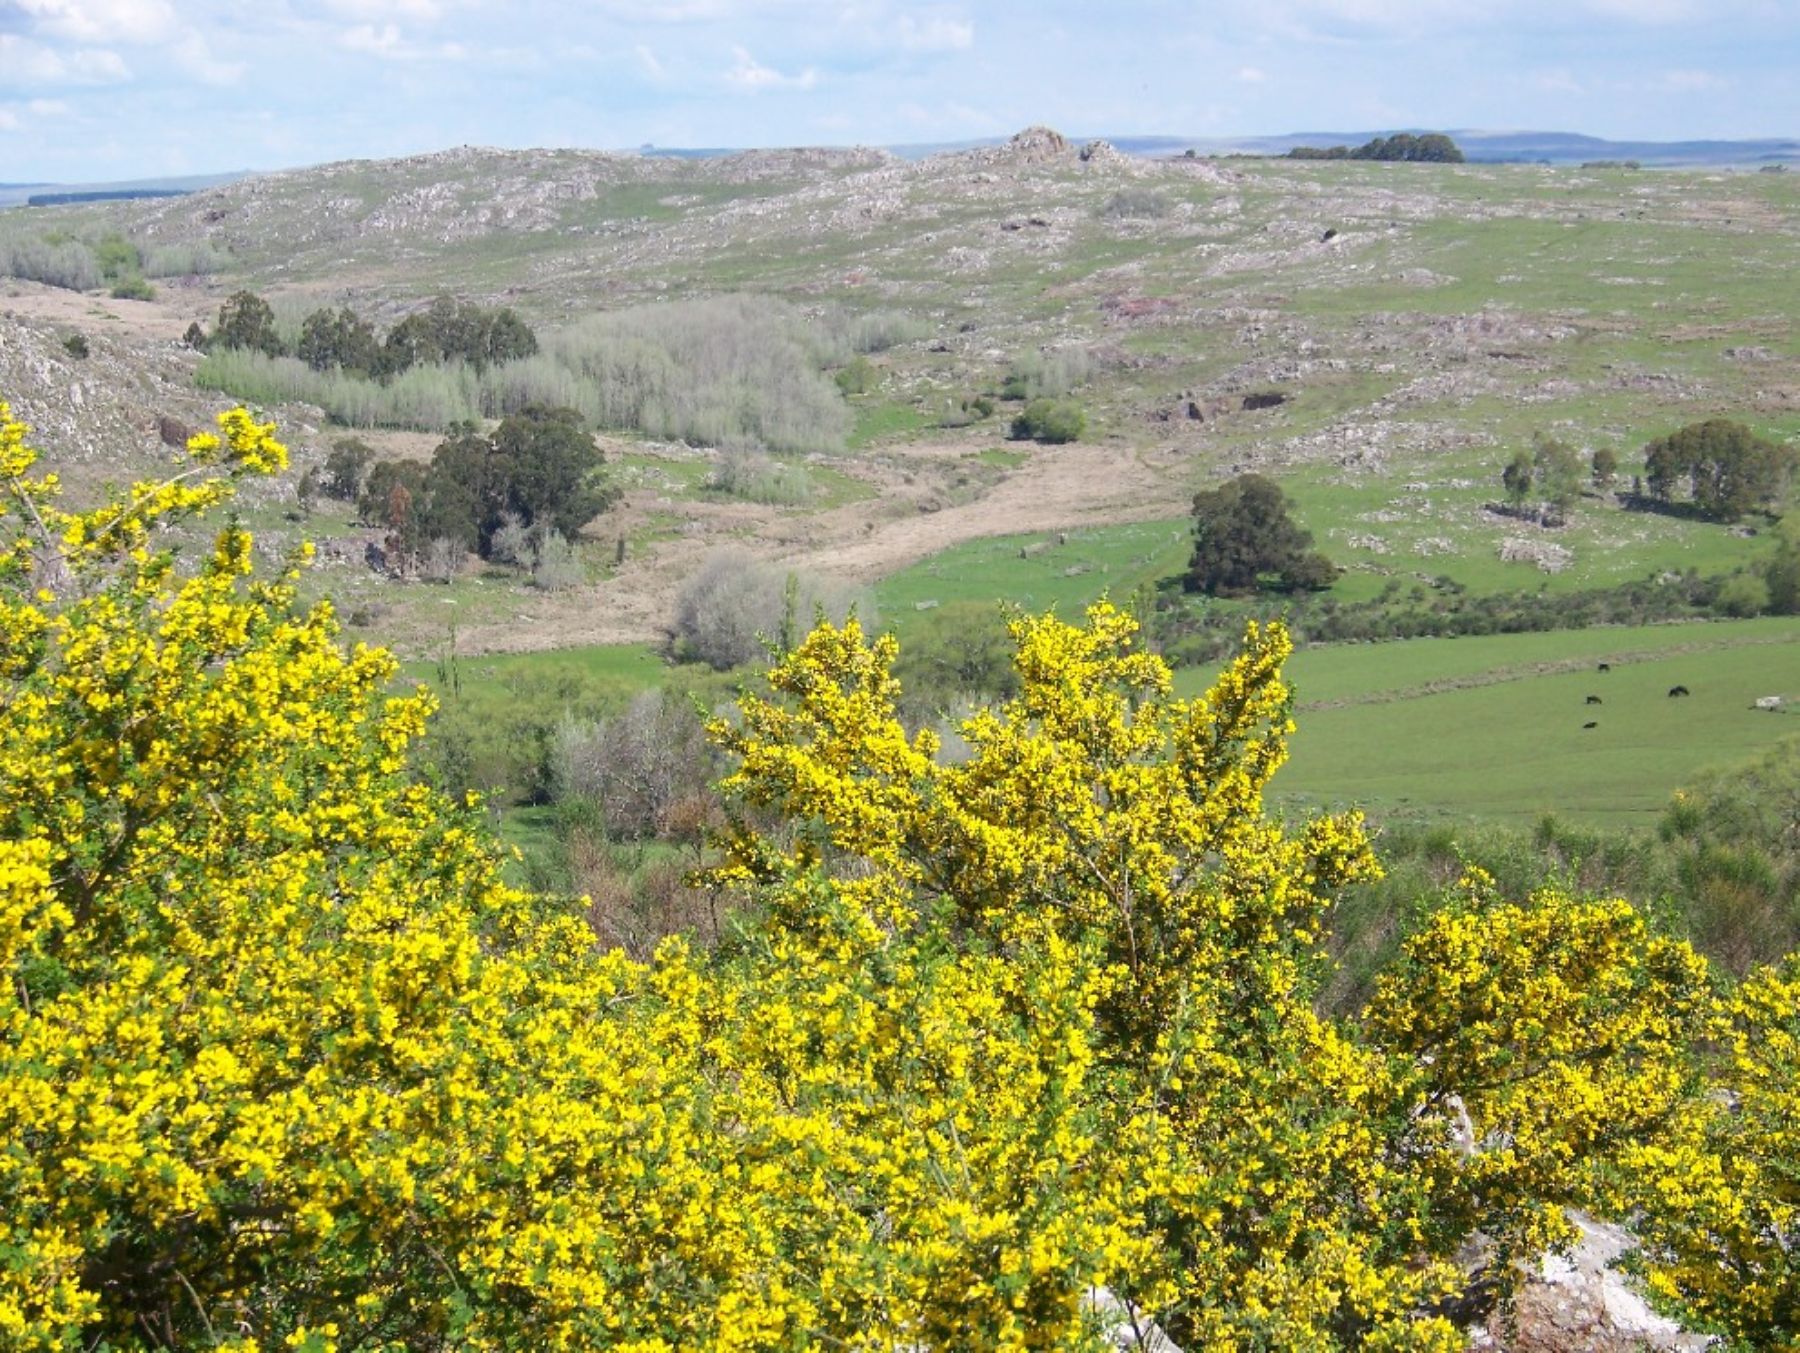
1604,467
453,330
246,321
539,469
1728,469
1556,471
345,469
1244,535
338,339
1782,573
548,468
1516,478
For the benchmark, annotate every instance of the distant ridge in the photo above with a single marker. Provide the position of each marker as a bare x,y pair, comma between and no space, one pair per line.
1484,147
18,194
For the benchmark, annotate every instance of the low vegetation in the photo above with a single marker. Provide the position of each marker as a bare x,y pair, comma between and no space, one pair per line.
288,1058
737,608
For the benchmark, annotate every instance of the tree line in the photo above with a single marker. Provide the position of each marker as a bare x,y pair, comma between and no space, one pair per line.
448,330
1432,147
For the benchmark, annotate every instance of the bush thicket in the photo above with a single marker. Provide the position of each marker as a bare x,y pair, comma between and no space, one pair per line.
1051,420
287,1058
736,607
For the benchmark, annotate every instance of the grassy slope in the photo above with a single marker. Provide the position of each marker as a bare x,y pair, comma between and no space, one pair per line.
1492,726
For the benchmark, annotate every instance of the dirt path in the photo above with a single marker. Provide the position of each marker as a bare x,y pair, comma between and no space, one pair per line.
1057,488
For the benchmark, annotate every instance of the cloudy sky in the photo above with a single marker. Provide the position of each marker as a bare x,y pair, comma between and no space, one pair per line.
106,89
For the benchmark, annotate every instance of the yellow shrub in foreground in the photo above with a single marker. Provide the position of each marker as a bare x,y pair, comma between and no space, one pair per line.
283,1063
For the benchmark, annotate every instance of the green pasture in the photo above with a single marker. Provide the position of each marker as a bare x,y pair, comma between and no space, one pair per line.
563,677
1039,572
1492,727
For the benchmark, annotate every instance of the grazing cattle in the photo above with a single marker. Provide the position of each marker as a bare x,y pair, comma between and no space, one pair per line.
1677,690
1591,723
1595,700
1606,667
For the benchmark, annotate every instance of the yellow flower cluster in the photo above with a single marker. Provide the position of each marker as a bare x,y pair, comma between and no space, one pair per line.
284,1064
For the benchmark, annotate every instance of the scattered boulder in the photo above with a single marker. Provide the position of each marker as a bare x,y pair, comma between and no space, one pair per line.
173,431
1547,556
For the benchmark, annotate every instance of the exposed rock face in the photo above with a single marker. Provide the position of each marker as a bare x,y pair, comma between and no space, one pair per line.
1036,144
1583,1302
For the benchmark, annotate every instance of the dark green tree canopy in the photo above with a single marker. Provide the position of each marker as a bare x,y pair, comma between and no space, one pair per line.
1245,539
1433,147
1728,470
453,330
246,321
339,338
540,467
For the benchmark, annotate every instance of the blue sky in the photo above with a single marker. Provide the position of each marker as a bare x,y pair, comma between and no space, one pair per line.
105,89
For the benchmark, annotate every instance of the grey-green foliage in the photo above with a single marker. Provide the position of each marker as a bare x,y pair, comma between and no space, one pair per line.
734,369
1135,204
736,604
1048,375
555,564
638,765
431,398
731,368
185,260
839,333
69,264
756,477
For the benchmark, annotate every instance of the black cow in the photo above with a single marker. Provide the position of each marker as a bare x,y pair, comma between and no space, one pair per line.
1591,723
1606,667
1677,690
1595,700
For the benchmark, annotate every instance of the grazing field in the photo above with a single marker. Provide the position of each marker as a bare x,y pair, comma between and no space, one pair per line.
1492,727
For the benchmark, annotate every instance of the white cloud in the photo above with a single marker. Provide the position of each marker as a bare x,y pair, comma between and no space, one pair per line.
9,120
47,108
196,58
647,61
1252,75
32,63
935,34
752,77
387,42
366,37
1689,82
370,11
130,21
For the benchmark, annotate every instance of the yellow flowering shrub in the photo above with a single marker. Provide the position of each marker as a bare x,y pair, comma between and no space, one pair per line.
1720,1203
1293,1181
285,1064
